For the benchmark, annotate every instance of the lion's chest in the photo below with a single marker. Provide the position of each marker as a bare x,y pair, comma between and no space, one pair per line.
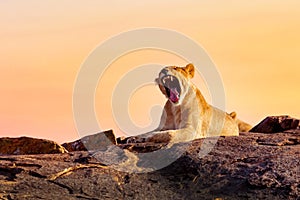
179,117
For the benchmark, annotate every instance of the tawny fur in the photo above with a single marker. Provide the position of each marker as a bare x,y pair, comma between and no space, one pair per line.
191,117
243,126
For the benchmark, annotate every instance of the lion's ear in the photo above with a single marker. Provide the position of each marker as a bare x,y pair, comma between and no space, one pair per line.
190,69
233,115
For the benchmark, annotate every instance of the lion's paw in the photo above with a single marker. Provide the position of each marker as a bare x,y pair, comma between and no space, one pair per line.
160,137
135,140
155,137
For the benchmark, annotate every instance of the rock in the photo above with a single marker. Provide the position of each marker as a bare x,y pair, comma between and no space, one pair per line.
282,139
250,166
99,141
276,124
27,145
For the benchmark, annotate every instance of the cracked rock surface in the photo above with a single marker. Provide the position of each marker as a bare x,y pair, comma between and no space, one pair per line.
250,166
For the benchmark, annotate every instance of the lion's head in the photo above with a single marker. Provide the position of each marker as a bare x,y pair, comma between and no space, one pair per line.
174,82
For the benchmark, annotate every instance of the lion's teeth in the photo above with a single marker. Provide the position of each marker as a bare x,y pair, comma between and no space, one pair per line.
171,78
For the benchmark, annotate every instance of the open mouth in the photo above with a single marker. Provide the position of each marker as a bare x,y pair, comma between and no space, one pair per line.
172,87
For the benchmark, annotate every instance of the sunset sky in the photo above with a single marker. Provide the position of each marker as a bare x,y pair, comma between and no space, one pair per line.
254,44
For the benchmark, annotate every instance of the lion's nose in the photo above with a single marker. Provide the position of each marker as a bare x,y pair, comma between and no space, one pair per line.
164,71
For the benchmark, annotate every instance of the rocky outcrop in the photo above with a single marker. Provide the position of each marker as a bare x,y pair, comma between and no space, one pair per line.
276,124
27,145
251,166
99,141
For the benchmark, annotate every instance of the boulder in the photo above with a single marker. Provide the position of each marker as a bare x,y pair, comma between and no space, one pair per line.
27,145
98,141
276,124
250,166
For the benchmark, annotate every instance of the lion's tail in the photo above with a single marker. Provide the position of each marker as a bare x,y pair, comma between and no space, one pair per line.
243,126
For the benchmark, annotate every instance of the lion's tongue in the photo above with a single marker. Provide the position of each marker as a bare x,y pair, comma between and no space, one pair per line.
174,95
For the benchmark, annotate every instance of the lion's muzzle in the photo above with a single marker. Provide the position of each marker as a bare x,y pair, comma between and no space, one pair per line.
172,87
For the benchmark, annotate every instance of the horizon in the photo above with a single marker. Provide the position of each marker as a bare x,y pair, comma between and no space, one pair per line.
255,46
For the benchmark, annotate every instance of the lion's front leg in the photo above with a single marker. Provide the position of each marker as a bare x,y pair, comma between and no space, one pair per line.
171,136
155,137
139,138
160,137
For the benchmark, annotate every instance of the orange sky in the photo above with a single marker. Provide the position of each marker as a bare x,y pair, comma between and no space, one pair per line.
254,44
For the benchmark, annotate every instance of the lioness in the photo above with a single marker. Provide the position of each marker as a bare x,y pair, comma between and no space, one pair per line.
186,115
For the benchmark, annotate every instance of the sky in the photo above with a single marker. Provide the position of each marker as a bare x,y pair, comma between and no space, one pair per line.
255,46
